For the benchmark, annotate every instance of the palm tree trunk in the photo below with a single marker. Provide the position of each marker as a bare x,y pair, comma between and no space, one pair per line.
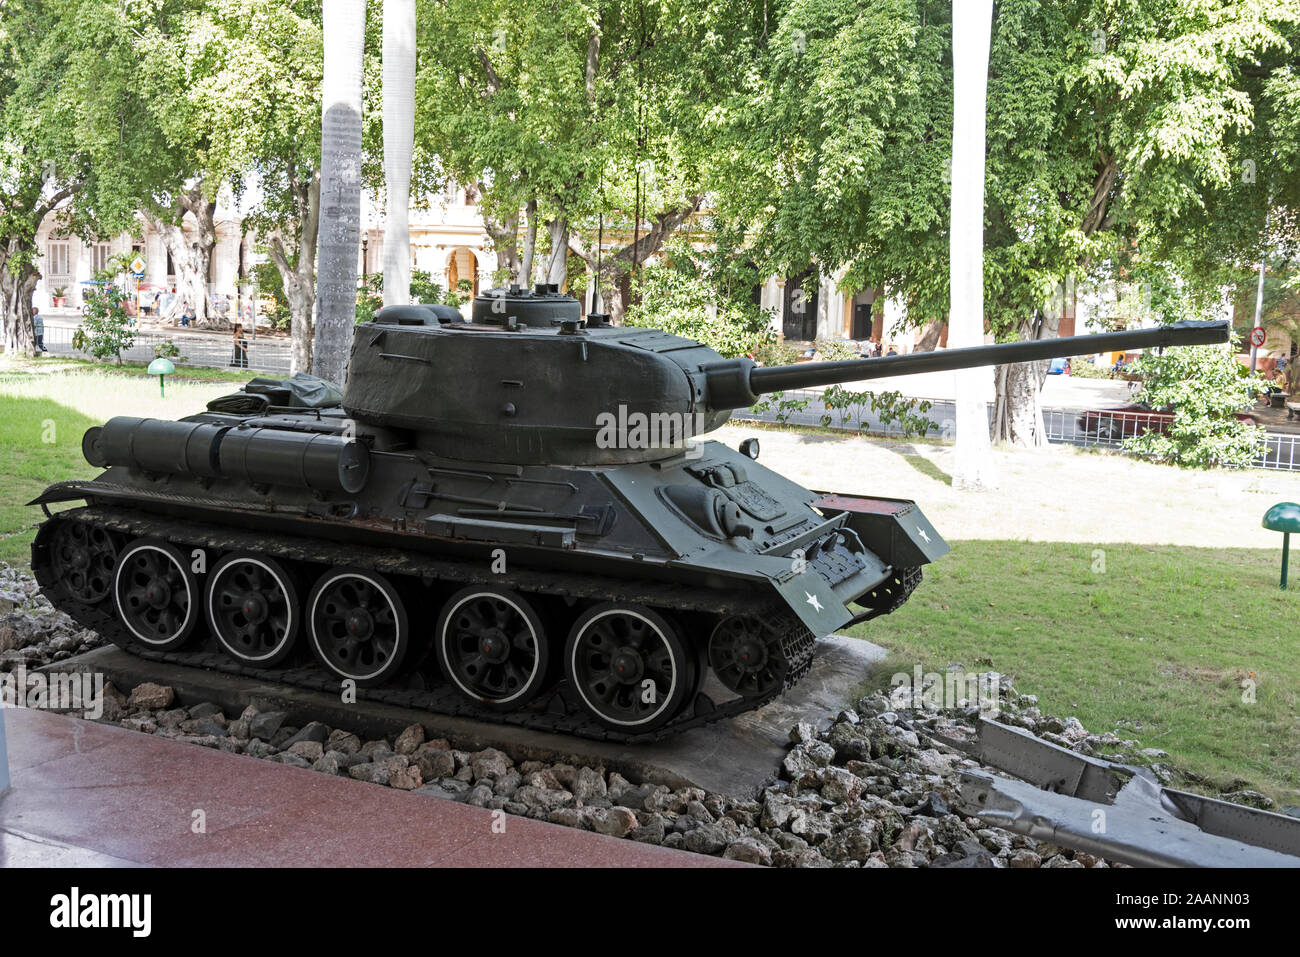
971,24
340,221
399,133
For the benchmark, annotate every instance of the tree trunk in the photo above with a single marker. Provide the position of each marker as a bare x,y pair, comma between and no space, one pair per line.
16,298
298,273
1017,410
504,234
930,336
530,245
614,304
971,25
557,266
192,259
399,131
340,221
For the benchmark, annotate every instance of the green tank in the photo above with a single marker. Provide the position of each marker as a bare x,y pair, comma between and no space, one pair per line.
516,518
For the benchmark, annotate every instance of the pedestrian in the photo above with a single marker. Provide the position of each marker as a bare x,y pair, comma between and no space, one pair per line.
38,329
892,351
187,313
240,357
157,306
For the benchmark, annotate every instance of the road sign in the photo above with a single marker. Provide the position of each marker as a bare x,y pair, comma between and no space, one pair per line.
1257,337
137,266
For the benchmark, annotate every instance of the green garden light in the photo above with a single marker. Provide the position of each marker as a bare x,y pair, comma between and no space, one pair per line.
161,368
1283,517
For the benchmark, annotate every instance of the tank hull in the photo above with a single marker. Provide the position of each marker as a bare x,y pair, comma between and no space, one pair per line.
704,541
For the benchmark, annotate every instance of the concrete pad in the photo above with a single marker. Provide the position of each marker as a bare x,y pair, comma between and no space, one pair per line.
119,798
735,756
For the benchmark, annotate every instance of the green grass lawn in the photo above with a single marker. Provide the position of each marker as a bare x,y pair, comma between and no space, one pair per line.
1155,647
46,405
40,442
49,364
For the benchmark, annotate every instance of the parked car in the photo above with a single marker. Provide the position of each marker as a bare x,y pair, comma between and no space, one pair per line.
1127,421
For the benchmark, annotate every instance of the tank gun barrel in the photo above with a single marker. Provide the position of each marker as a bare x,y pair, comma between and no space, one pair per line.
727,379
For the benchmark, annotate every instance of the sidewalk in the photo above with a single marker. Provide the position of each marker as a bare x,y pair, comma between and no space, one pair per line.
95,795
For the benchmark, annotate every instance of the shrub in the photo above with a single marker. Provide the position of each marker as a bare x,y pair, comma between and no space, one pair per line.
105,330
1204,387
689,294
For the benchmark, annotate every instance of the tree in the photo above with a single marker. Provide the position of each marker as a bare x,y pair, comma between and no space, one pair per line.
340,221
106,329
71,129
399,132
238,85
1116,133
570,116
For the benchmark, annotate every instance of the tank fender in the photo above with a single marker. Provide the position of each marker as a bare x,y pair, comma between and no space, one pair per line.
893,528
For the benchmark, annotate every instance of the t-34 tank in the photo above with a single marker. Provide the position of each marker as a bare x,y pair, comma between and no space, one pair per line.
507,517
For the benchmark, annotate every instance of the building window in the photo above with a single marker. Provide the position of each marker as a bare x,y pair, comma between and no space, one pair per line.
99,254
57,253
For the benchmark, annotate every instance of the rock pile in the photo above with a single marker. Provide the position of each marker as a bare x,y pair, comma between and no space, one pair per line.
872,790
32,632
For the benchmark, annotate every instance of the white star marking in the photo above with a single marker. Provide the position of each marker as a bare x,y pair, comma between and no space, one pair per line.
921,531
813,600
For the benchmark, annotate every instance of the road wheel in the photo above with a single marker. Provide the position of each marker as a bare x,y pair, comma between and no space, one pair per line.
629,666
253,608
357,625
492,646
156,594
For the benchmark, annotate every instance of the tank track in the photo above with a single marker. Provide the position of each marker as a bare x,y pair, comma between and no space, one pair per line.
556,710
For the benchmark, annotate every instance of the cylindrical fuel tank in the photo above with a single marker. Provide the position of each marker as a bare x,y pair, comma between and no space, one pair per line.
272,457
155,445
262,456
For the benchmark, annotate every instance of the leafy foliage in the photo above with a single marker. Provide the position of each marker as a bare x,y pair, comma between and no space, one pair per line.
891,408
690,294
1204,387
106,329
167,349
370,296
270,290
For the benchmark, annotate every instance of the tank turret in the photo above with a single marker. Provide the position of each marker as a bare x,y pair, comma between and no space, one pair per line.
528,381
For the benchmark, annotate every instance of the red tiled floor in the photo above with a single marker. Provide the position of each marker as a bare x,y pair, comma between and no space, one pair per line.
99,795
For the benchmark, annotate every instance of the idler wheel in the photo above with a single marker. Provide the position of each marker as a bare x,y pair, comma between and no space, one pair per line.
747,657
83,557
629,666
492,646
357,625
157,595
253,608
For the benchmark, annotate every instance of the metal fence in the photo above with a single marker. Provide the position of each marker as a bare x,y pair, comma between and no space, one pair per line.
1278,450
264,355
